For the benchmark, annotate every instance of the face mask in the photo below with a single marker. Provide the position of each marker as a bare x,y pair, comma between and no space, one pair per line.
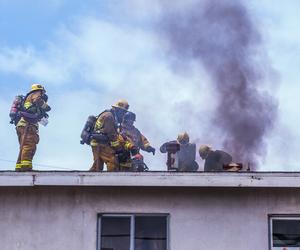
44,121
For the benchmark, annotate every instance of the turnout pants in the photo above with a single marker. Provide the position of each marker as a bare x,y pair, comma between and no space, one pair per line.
104,154
28,139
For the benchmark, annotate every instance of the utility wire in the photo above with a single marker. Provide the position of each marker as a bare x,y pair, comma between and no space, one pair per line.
42,165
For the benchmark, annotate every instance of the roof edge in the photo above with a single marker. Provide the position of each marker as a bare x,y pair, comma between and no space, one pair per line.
151,179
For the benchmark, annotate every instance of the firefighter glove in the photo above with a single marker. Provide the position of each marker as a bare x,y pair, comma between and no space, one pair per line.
45,97
150,149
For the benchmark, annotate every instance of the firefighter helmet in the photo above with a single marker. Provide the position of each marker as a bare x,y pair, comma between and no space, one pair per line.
121,104
204,150
183,138
37,86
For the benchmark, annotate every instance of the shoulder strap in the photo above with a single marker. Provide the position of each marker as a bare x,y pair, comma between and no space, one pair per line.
24,99
107,110
110,111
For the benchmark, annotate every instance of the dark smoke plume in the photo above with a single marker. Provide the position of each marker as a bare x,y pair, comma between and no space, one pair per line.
221,37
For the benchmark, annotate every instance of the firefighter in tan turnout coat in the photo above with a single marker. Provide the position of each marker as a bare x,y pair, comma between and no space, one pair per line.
130,131
34,108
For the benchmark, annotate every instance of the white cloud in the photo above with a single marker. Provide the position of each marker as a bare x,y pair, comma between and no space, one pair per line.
29,63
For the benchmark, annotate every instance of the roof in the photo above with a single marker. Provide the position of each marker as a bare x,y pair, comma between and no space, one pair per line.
151,179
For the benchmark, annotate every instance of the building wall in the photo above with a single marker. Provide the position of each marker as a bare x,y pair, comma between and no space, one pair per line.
52,218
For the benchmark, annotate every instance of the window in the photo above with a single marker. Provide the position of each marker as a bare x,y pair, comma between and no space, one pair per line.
285,232
132,232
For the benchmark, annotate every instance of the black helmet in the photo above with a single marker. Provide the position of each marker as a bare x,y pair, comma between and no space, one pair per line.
129,116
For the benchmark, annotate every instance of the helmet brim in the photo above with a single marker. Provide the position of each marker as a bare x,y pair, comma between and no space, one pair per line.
117,107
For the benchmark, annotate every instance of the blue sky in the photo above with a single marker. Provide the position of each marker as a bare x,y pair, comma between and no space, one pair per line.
90,53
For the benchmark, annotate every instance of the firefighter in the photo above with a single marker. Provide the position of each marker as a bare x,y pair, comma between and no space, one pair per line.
34,109
139,141
108,146
181,153
129,130
215,160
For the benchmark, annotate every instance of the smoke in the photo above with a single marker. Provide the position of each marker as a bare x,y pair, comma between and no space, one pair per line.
223,39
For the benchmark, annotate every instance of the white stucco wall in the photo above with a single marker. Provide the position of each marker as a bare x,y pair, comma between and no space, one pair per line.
210,218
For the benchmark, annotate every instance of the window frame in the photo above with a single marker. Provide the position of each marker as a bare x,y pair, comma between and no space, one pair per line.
271,217
132,225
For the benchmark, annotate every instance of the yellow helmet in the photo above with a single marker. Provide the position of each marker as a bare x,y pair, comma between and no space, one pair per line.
204,150
183,138
121,104
37,86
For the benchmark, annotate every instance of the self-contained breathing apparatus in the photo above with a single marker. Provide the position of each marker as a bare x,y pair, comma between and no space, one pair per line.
16,108
87,134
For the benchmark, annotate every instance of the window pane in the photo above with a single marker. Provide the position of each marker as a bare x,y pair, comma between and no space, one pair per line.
286,233
150,233
115,233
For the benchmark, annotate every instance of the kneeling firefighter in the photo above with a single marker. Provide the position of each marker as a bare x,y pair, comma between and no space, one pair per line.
218,160
26,112
107,144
